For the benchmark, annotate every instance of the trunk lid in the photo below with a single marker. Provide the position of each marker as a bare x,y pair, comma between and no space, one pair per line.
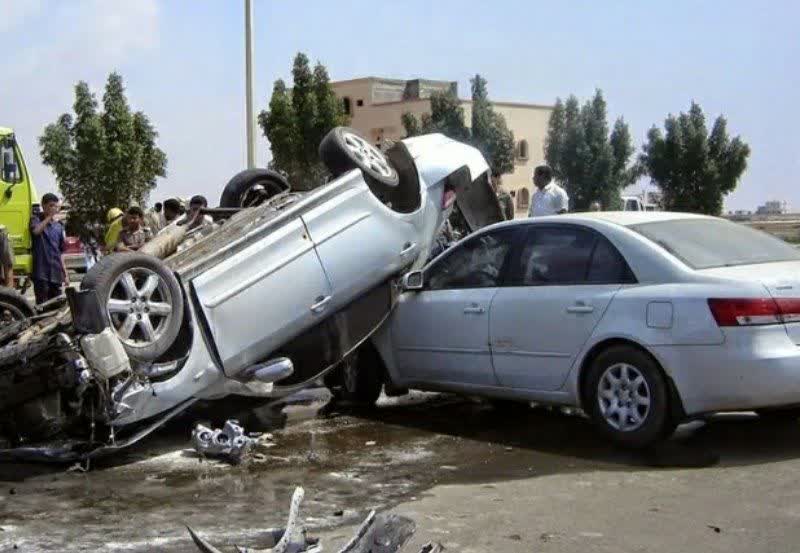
782,280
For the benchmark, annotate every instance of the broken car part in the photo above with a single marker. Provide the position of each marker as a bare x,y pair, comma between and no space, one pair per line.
229,443
376,534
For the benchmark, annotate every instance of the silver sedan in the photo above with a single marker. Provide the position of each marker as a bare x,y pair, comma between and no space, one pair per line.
643,320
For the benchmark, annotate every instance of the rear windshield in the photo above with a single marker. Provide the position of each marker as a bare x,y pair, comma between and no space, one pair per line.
709,243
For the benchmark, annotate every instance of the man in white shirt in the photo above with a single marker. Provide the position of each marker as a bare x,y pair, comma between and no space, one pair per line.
548,198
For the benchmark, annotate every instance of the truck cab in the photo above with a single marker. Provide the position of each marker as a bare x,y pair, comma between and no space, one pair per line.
18,198
632,203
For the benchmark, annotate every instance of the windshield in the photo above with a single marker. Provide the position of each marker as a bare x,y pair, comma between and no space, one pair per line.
709,243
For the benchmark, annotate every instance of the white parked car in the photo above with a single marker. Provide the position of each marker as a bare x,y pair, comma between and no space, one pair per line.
643,320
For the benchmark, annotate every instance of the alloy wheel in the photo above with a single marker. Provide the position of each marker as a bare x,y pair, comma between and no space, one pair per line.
624,397
140,307
368,154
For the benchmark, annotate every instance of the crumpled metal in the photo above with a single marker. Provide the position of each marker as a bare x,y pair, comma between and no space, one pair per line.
229,443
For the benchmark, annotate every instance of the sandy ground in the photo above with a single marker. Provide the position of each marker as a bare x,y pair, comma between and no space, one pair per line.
474,478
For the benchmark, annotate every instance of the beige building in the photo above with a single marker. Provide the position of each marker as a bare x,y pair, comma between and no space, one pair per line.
376,106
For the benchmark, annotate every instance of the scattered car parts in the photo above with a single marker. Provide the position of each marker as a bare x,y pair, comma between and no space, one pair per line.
229,443
378,533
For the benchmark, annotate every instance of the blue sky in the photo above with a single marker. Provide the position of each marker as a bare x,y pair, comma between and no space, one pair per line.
183,64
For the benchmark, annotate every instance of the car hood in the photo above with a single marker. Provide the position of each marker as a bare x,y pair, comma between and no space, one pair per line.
437,156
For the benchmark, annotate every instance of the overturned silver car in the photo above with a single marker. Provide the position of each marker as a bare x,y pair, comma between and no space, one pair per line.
273,296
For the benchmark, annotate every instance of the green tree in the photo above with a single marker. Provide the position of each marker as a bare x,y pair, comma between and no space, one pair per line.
489,131
102,159
694,170
591,163
296,122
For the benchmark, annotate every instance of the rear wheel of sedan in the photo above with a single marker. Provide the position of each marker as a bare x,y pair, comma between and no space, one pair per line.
253,187
344,149
143,301
627,397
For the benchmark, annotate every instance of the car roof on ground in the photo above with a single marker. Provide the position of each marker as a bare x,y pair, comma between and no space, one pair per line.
623,218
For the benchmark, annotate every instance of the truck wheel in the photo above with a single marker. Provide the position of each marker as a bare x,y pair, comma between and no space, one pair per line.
344,149
14,306
253,187
143,301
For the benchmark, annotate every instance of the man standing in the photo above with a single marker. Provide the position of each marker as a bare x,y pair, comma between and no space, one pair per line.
6,259
193,217
49,271
548,198
135,234
506,202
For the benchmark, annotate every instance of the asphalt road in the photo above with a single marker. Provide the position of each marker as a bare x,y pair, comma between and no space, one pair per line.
474,478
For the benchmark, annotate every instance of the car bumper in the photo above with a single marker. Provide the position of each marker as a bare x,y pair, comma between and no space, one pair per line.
754,368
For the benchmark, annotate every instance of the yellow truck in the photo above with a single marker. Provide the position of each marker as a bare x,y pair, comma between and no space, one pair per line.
18,199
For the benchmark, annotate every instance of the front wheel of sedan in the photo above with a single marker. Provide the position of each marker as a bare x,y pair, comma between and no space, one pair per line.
143,301
627,397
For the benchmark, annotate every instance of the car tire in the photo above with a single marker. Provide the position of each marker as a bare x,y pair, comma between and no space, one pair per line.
253,187
624,380
14,306
359,378
344,149
136,289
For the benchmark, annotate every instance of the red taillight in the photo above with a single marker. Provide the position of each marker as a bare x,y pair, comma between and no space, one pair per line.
448,198
790,309
754,311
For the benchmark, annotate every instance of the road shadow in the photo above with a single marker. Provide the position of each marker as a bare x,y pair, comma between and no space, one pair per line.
727,440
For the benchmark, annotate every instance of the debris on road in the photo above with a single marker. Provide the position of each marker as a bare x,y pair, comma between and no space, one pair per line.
377,534
229,443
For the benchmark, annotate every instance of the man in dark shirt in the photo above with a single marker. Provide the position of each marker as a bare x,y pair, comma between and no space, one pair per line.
49,272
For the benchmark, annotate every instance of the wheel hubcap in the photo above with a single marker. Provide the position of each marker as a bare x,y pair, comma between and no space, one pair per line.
368,154
624,397
140,307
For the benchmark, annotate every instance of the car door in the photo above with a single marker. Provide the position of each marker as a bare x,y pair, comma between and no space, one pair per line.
559,287
360,241
264,295
441,333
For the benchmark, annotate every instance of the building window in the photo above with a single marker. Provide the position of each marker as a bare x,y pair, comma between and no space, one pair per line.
523,199
359,103
346,105
522,149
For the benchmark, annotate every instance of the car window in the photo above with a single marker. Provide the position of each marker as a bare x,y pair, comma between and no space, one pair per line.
607,265
554,255
477,263
9,167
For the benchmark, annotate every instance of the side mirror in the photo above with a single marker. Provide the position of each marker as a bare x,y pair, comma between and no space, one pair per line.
413,281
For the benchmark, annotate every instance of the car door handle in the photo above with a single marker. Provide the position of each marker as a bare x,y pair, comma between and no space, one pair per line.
408,248
474,310
321,303
580,309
